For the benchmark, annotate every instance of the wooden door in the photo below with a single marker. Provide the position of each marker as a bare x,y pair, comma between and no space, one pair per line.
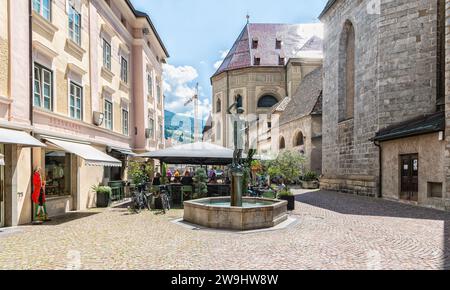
409,177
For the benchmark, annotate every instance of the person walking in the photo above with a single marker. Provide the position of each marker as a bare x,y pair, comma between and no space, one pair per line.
38,197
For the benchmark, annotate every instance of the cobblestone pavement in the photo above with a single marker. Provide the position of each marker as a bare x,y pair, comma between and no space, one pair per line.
335,231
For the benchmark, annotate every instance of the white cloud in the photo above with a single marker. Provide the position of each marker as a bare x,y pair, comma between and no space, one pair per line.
223,55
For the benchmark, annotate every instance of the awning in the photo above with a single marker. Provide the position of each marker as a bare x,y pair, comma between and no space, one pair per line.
122,151
18,137
195,154
2,160
91,156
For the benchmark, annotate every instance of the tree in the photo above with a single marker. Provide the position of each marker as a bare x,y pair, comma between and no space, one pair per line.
200,183
288,165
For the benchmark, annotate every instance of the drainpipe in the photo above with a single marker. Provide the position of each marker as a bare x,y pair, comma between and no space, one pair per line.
380,173
31,84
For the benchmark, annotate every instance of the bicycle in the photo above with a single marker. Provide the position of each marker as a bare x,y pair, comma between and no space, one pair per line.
165,198
140,200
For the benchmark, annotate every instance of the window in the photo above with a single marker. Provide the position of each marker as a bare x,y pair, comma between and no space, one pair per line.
299,139
218,106
257,61
124,70
158,93
281,60
254,44
43,87
282,143
74,25
278,44
347,73
151,128
108,115
76,101
267,101
124,21
43,8
150,84
57,173
125,122
239,101
106,54
161,131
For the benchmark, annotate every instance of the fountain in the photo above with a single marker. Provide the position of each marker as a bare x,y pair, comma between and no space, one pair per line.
236,212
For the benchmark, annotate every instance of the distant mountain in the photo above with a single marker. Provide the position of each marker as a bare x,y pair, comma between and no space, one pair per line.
179,129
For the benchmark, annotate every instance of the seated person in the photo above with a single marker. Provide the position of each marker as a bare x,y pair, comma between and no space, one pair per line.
157,179
187,179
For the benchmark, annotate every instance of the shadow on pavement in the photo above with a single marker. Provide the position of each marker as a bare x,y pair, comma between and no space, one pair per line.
69,217
365,206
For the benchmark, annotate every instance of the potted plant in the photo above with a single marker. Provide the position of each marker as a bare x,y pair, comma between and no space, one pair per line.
287,195
310,180
103,195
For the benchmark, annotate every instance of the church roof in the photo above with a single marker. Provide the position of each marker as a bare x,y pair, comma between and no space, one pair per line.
307,100
330,4
298,40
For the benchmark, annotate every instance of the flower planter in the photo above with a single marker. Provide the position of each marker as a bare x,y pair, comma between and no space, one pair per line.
310,184
291,201
103,199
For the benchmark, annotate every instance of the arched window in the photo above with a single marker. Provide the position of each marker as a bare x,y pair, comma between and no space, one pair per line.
239,101
299,140
267,101
347,73
218,106
282,143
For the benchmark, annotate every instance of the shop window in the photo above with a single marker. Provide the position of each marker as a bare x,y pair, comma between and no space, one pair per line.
57,173
435,190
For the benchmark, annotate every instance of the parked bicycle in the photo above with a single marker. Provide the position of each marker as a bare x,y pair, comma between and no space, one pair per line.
164,195
141,199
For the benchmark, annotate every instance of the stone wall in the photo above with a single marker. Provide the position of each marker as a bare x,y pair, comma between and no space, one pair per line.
431,169
395,81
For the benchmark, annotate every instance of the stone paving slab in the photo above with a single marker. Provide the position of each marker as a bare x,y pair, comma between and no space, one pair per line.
335,231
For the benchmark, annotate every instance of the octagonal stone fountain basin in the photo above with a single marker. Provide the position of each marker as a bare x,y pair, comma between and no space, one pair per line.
216,213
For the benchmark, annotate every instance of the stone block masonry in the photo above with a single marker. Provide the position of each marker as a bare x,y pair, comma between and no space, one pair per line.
395,80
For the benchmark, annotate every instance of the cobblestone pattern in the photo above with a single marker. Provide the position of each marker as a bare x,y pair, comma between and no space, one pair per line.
335,231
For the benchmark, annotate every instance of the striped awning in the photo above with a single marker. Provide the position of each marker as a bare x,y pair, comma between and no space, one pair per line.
91,156
8,136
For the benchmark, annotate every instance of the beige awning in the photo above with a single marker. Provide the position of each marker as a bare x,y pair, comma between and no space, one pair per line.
2,160
18,137
91,156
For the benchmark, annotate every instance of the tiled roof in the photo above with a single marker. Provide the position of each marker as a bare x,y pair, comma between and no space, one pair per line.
418,126
297,41
307,100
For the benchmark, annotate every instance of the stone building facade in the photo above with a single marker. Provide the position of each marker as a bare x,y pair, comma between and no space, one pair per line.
95,83
383,99
265,65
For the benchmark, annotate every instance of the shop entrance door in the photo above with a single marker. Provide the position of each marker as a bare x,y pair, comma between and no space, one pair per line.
409,177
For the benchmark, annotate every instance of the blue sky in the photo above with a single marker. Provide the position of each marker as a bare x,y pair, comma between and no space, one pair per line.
198,32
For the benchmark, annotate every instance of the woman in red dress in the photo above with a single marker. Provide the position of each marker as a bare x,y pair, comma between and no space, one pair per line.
38,196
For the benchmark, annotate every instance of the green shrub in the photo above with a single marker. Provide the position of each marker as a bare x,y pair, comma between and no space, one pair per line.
310,176
285,192
200,183
102,189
